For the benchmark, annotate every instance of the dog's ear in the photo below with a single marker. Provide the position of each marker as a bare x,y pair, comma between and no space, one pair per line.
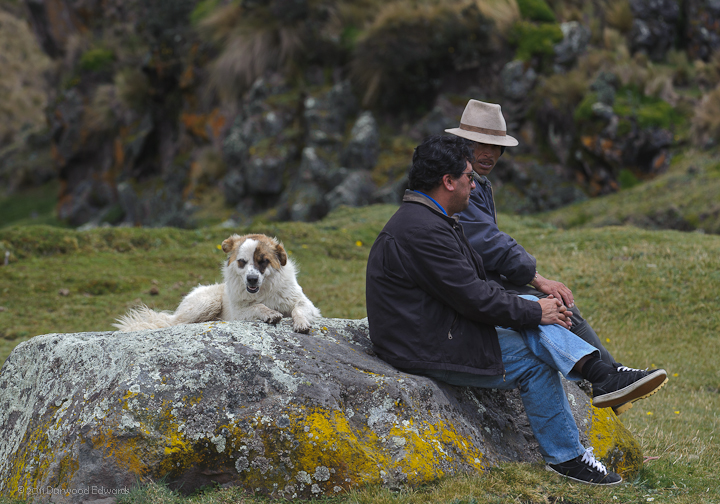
230,242
281,254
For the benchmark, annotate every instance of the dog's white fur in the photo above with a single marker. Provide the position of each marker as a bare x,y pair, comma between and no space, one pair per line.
260,284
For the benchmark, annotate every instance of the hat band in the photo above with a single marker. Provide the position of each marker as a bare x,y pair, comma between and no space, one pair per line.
485,131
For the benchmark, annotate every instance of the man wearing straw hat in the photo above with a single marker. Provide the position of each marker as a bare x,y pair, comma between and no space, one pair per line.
432,312
506,261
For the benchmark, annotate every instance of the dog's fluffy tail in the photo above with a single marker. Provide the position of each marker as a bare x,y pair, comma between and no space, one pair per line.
142,317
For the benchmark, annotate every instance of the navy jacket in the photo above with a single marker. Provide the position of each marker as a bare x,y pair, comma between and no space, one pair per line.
501,254
428,302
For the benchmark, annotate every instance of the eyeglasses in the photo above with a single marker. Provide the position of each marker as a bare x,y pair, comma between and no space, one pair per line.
469,174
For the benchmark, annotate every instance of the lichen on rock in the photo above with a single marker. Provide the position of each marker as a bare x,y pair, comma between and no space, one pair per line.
257,406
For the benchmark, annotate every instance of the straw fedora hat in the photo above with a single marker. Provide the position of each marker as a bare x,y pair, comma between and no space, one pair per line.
483,122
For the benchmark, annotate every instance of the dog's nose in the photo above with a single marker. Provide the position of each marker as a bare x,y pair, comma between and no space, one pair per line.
252,280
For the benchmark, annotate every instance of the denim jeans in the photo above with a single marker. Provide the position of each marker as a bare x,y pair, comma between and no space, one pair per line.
580,326
532,359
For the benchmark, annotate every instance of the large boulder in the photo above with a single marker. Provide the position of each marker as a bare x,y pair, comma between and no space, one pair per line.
255,405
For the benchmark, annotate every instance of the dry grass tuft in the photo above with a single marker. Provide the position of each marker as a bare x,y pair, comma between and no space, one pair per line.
659,83
100,115
563,91
22,83
706,121
708,74
619,15
684,71
253,42
132,88
410,46
504,13
613,40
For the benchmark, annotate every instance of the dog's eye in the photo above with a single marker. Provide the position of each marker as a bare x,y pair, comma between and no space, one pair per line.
241,263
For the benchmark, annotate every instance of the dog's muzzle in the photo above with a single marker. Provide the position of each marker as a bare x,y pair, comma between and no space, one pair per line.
251,282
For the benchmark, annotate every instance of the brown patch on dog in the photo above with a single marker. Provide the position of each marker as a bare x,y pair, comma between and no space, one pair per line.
268,253
232,244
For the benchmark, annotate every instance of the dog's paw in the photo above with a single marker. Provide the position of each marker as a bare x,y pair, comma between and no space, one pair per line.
301,325
302,329
273,317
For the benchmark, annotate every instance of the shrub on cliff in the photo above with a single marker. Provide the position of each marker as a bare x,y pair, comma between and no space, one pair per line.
254,38
401,58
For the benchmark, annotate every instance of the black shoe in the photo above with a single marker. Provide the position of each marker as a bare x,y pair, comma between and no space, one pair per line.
627,385
585,469
622,408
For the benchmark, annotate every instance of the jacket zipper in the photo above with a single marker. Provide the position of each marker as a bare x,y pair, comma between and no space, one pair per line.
450,336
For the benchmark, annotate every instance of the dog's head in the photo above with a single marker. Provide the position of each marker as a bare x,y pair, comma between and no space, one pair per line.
253,257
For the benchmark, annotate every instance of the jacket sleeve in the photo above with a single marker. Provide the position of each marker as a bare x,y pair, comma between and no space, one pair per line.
499,251
436,263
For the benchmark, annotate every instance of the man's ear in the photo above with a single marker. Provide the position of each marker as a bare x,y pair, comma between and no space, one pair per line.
448,182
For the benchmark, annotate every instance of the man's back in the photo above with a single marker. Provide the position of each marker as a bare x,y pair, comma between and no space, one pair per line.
428,305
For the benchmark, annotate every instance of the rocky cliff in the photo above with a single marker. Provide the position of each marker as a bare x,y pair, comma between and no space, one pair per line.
254,405
287,109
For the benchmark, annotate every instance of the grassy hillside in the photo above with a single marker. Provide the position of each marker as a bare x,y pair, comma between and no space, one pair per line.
687,197
651,295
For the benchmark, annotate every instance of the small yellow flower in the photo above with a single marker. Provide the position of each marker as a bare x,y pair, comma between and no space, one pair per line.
677,412
650,413
219,247
607,340
358,243
675,375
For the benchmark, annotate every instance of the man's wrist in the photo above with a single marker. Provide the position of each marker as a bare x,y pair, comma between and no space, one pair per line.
535,281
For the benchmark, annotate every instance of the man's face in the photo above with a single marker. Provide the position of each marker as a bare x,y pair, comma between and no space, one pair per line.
484,157
463,187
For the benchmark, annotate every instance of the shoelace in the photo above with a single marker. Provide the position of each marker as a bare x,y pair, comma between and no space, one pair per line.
589,459
625,368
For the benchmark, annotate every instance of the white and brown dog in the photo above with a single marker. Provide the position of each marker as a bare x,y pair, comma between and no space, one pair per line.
260,284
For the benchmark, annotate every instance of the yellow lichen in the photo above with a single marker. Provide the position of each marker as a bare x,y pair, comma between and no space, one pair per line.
612,442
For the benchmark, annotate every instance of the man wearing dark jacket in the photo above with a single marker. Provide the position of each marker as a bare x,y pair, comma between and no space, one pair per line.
506,261
432,312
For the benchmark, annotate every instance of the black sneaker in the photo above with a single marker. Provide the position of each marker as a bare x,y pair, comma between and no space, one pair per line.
622,408
585,469
624,386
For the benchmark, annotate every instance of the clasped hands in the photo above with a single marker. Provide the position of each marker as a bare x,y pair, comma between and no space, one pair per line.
554,312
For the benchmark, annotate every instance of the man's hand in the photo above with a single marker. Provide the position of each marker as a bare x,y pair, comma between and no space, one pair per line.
556,289
554,312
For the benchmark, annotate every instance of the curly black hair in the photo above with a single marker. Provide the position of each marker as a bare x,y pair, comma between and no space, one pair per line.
435,157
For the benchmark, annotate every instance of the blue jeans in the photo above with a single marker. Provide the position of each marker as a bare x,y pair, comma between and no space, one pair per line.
532,359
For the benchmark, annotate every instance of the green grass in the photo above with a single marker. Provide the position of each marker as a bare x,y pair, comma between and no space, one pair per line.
535,39
30,207
96,59
652,296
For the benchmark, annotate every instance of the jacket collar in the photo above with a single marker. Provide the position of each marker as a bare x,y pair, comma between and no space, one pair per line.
482,179
413,197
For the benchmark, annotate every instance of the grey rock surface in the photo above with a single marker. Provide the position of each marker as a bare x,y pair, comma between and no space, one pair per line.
255,405
364,146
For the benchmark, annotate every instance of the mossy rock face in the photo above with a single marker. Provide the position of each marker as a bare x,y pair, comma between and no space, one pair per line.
254,405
